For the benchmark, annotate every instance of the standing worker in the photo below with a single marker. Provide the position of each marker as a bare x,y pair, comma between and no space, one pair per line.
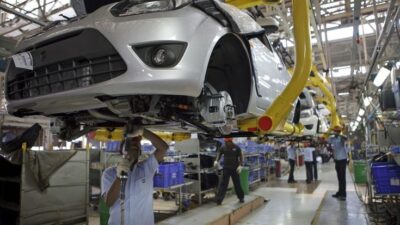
308,159
340,155
138,203
291,152
233,162
315,163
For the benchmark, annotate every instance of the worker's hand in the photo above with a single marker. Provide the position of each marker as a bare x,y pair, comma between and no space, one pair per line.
137,131
143,157
215,163
123,167
239,169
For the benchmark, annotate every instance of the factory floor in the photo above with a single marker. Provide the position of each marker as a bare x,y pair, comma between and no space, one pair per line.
301,203
308,204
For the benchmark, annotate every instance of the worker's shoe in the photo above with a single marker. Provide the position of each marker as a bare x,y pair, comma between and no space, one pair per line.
342,198
336,195
292,181
241,200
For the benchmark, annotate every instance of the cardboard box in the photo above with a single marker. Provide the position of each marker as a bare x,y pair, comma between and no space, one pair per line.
240,213
257,203
224,220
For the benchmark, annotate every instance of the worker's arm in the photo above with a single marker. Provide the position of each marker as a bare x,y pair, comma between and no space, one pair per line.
220,153
113,193
158,143
241,157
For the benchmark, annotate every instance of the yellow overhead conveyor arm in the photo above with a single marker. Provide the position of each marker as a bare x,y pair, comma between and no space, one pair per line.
243,4
117,134
278,111
316,80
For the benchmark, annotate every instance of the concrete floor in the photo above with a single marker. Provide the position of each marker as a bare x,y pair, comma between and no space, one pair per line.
296,204
302,204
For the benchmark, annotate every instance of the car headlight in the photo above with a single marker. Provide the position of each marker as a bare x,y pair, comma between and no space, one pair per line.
135,7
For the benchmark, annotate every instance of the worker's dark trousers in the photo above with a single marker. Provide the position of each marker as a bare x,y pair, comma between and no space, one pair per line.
340,166
309,173
224,184
314,165
291,163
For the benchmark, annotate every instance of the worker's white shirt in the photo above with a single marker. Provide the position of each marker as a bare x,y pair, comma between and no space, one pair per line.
308,157
138,194
291,151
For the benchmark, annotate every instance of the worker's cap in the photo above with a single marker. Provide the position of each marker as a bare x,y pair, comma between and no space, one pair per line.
228,139
337,128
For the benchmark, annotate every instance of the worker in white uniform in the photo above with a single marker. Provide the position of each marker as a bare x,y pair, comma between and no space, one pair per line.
291,153
308,160
138,203
338,142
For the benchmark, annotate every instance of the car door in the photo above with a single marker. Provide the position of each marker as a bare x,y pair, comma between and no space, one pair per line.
272,76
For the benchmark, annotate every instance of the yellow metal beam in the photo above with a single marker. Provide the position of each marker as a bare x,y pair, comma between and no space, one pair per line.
243,4
329,100
274,118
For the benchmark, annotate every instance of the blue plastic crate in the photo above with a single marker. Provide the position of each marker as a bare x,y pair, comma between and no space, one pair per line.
113,146
386,178
395,149
169,174
263,173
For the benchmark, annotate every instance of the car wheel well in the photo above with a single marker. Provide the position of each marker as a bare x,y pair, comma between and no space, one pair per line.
229,69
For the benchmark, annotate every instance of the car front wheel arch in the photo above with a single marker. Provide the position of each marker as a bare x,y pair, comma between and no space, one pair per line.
229,69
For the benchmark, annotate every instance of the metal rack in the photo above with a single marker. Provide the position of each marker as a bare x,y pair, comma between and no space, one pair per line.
192,146
254,167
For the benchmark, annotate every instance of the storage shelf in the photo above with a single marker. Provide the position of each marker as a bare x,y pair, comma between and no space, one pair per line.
174,186
252,155
11,179
206,170
255,181
208,190
255,168
9,205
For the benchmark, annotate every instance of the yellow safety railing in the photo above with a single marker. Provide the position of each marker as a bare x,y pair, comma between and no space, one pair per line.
275,116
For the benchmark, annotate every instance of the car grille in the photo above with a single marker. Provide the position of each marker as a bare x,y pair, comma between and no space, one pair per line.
65,76
72,62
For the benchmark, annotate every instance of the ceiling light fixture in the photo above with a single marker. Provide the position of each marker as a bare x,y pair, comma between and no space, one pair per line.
382,75
343,93
361,112
367,101
358,119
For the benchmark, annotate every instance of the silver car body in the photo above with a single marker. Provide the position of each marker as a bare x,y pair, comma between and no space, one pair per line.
189,25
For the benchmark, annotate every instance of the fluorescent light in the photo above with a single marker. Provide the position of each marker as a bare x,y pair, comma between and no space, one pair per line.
343,93
344,116
358,119
367,101
356,123
361,112
382,76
